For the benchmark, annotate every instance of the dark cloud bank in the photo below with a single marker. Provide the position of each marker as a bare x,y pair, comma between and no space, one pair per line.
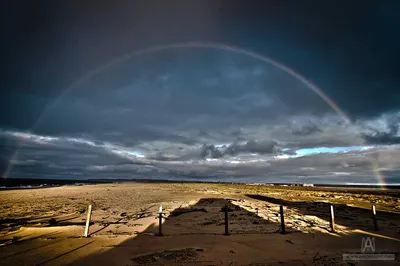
199,113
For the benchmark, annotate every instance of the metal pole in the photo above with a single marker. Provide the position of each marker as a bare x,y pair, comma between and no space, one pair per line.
226,221
283,231
89,215
374,218
332,219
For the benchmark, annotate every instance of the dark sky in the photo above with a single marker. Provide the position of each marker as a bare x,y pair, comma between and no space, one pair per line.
199,112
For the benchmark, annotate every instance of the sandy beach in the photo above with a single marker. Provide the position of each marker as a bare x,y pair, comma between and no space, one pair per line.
45,226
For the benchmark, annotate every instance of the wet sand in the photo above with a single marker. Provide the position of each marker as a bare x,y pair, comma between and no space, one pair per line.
45,226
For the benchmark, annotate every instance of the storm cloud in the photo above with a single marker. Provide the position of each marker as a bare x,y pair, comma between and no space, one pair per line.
66,110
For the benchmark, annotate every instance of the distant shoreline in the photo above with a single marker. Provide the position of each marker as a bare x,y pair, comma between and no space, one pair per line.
34,183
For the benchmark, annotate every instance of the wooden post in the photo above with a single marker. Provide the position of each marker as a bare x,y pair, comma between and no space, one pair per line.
332,219
89,215
257,211
225,209
374,218
283,231
226,221
160,222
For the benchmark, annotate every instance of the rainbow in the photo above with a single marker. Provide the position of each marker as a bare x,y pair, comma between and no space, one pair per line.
215,46
207,45
378,174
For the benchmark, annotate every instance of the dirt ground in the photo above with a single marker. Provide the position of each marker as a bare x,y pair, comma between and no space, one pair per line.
45,226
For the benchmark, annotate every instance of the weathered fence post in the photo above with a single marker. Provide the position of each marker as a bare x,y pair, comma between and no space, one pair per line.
332,219
89,215
374,218
225,209
283,231
226,221
160,217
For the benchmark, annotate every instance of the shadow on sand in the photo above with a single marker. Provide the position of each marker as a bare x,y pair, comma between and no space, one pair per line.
349,216
187,234
194,235
143,213
11,224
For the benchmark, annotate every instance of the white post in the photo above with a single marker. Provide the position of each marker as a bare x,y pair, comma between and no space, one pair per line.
88,221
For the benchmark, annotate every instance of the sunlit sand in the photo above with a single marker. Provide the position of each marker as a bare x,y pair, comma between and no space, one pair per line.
46,226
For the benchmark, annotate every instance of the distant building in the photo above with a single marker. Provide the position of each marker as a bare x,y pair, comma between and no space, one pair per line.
301,185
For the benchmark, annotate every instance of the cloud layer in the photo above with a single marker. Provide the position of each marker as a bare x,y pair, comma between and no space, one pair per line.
205,115
266,160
